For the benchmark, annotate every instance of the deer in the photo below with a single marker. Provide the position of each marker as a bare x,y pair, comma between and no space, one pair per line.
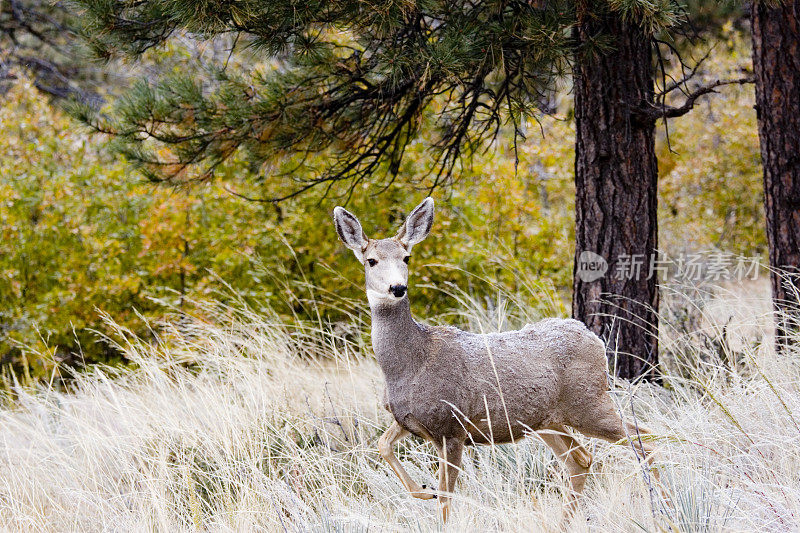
455,388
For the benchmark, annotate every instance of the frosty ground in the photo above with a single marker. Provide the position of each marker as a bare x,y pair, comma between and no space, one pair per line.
240,422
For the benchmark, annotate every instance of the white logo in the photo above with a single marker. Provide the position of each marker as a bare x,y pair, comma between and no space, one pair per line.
591,266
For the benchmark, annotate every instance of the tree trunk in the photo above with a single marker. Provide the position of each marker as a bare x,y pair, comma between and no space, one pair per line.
615,180
776,63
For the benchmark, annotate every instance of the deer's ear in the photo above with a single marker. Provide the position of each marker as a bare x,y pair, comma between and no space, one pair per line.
349,229
417,225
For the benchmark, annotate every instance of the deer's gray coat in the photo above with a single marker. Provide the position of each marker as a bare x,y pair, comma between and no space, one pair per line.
453,387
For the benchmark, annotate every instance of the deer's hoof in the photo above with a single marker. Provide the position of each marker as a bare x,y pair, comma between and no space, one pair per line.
424,494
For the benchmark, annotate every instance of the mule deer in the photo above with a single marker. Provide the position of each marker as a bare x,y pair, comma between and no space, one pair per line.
453,388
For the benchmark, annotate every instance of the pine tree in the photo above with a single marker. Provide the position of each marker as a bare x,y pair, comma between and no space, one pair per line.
776,64
615,177
617,108
355,80
351,78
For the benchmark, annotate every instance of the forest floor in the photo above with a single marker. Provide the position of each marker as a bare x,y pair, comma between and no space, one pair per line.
245,424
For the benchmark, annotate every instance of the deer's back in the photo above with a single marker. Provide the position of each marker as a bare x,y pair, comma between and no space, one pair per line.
499,386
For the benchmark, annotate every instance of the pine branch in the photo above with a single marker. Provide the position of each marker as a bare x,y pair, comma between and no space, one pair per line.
354,98
653,112
682,83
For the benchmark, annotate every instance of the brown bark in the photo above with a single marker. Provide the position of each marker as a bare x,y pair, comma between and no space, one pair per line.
776,64
615,178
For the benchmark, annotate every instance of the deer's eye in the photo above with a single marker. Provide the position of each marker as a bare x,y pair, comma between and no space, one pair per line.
406,258
372,262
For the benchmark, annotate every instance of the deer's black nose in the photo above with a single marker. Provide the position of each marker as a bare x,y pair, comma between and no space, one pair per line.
398,290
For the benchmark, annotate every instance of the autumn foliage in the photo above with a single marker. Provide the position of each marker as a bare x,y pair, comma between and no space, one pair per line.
81,234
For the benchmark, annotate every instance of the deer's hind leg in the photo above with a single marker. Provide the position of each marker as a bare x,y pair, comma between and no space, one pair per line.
575,458
385,444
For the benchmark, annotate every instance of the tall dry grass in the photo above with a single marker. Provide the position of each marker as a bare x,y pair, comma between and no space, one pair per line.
242,423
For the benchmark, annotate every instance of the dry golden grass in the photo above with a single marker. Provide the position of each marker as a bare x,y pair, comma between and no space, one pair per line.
274,428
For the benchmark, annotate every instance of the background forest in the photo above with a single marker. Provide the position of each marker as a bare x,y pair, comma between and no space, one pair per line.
184,342
83,234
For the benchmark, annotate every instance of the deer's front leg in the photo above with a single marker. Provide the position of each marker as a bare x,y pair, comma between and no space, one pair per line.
385,444
450,453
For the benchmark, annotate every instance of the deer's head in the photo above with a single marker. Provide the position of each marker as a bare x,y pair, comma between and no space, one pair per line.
385,260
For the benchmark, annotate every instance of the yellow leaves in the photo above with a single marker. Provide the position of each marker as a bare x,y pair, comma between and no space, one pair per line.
16,285
79,232
710,181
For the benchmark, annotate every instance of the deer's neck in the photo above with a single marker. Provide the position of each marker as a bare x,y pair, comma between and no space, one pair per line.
398,340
